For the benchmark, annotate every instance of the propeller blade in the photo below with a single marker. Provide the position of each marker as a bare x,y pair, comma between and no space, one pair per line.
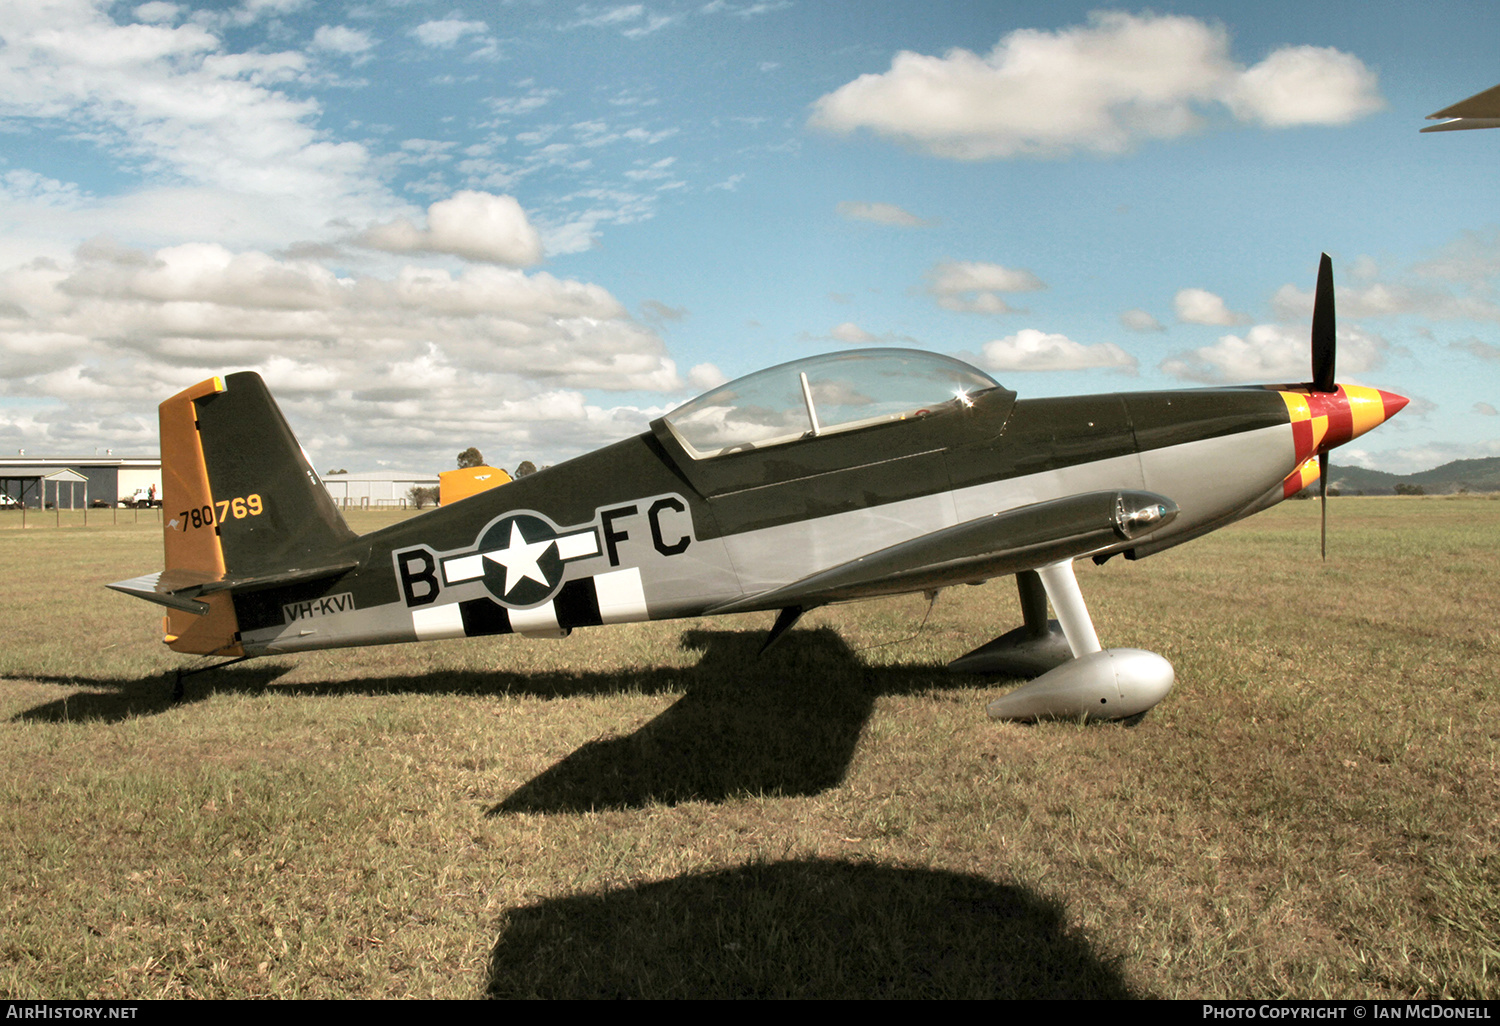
1323,344
1323,498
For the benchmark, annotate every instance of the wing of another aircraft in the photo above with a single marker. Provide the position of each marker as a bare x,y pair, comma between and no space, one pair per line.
1017,539
1482,110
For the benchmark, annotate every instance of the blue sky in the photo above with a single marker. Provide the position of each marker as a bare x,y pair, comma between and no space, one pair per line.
532,226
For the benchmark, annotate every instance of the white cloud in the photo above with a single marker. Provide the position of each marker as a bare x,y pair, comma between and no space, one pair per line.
157,11
1393,299
247,13
1475,347
745,11
1272,353
444,33
881,213
23,186
237,202
616,15
200,273
1198,306
1363,268
1459,282
975,287
1140,320
705,376
653,23
402,364
534,98
341,39
953,277
979,302
1306,85
417,152
656,312
654,171
474,225
1103,87
1032,350
633,20
850,333
590,208
172,102
252,9
1486,410
53,224
1472,259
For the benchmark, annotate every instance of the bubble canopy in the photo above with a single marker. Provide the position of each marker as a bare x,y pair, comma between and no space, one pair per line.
822,395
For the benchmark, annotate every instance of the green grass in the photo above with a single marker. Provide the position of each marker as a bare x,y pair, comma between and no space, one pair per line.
650,810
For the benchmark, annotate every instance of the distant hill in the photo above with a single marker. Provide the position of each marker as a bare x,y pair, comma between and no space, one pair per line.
1482,475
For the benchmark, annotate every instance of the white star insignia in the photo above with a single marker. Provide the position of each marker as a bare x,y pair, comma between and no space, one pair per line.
520,559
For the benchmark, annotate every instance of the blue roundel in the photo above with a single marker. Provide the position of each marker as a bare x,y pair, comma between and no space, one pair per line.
521,565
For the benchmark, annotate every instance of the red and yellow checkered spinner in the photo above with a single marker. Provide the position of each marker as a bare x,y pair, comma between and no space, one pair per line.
1325,420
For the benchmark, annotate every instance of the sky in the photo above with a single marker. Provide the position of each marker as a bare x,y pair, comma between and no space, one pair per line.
532,227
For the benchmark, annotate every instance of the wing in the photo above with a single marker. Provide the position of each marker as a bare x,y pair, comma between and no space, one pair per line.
991,546
1482,110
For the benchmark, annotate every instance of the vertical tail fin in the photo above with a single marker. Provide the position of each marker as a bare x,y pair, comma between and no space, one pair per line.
270,507
238,497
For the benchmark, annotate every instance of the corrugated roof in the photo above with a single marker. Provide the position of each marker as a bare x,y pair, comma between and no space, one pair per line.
50,473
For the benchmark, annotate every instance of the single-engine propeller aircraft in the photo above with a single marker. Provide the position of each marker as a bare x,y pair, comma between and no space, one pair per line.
841,476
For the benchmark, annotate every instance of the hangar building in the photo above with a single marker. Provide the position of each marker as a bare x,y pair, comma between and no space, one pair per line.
73,482
376,488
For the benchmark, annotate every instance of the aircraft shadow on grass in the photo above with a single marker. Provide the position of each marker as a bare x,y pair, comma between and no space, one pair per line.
801,929
785,722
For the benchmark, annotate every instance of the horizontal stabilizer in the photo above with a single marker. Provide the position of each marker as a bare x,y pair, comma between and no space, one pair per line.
990,546
152,588
179,589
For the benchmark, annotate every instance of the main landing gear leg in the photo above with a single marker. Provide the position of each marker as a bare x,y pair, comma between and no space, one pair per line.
1072,614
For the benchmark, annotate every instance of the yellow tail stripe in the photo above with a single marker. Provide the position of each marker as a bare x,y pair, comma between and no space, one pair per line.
185,487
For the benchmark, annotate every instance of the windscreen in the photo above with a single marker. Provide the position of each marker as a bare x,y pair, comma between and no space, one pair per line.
820,395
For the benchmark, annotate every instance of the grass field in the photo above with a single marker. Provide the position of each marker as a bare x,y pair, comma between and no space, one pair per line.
651,811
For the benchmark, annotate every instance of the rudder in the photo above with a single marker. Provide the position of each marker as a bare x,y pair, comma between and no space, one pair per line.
185,486
270,506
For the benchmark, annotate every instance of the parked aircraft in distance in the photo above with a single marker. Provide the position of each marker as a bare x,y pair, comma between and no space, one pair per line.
1482,110
841,476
